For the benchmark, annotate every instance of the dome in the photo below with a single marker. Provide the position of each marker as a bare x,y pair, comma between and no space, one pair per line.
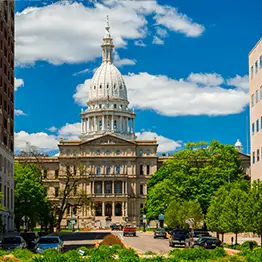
238,143
107,82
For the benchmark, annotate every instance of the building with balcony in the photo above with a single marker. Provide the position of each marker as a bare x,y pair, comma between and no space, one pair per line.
255,90
7,112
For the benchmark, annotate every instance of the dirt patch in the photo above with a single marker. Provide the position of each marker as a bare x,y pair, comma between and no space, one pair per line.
9,258
111,240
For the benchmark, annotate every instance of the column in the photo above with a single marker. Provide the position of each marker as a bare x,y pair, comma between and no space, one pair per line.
133,125
123,187
103,123
103,208
126,188
82,125
95,124
89,124
126,209
103,187
123,208
121,124
113,187
93,187
112,123
86,125
113,209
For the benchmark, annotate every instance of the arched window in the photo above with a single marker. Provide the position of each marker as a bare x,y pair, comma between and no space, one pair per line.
115,124
117,170
100,124
108,170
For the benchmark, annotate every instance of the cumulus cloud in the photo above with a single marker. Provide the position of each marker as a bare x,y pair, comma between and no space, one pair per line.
165,144
122,61
199,94
19,112
157,41
140,43
52,129
70,131
69,32
18,83
41,140
241,82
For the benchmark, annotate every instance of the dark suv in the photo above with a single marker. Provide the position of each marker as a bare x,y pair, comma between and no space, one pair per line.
207,242
178,237
30,238
194,236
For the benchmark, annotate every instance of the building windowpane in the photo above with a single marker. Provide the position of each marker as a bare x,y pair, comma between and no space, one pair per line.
257,98
260,61
253,128
256,66
98,170
258,156
251,71
108,152
118,170
260,92
148,169
118,187
141,189
118,152
108,187
108,170
252,101
257,125
253,158
141,170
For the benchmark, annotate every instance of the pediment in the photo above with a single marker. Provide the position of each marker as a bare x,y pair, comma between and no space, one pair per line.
108,140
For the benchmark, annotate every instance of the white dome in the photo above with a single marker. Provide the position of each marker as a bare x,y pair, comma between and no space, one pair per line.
238,143
107,82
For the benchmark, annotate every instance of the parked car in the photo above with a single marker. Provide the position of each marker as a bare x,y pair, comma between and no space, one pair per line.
194,236
207,242
13,242
30,238
178,237
129,230
160,232
116,226
48,242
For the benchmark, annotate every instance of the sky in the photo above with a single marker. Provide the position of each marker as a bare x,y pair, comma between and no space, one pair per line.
185,64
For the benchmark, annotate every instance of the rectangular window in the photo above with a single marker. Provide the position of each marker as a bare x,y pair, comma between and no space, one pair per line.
253,128
141,170
260,93
258,156
260,61
261,122
56,174
118,152
117,170
252,100
253,158
257,125
257,98
148,169
56,191
251,71
256,66
98,170
141,189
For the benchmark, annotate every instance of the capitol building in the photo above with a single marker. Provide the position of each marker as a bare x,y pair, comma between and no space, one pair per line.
117,165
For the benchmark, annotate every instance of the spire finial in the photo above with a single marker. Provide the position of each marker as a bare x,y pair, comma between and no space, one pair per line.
107,27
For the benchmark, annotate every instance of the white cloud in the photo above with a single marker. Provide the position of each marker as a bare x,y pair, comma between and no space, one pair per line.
122,62
157,41
161,32
41,140
52,129
172,97
206,79
241,82
19,112
140,43
70,131
81,72
165,144
69,32
18,83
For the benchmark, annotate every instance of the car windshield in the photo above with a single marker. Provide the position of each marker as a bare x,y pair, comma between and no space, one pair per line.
28,235
12,240
179,232
48,240
160,229
198,234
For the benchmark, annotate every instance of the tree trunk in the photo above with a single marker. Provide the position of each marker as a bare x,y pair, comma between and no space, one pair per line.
222,237
58,224
217,235
236,239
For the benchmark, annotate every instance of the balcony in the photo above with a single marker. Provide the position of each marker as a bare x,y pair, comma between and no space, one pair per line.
109,195
108,175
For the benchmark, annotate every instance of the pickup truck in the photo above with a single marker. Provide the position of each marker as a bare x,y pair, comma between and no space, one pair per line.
129,230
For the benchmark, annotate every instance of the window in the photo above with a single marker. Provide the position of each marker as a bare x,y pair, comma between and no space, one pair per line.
108,170
98,170
108,152
98,188
257,125
253,158
256,66
56,191
108,187
148,169
118,152
100,124
147,152
257,96
141,170
140,153
261,122
97,152
56,174
45,173
115,106
68,152
100,105
260,93
258,155
260,60
251,71
115,126
252,101
118,187
141,189
253,128
117,170
75,153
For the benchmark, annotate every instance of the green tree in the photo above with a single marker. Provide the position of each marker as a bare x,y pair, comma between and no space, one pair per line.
256,208
30,194
194,173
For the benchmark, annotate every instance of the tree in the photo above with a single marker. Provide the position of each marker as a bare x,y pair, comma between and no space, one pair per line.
30,194
68,196
256,208
194,173
178,212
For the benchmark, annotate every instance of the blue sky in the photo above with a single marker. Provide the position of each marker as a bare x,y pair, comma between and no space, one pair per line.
184,63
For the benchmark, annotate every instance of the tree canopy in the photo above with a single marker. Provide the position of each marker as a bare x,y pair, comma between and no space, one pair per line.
194,173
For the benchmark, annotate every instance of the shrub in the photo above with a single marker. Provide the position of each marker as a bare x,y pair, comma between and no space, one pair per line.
247,244
23,254
127,255
111,240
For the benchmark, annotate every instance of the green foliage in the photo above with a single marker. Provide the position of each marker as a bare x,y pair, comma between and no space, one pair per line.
177,213
23,254
30,194
194,173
